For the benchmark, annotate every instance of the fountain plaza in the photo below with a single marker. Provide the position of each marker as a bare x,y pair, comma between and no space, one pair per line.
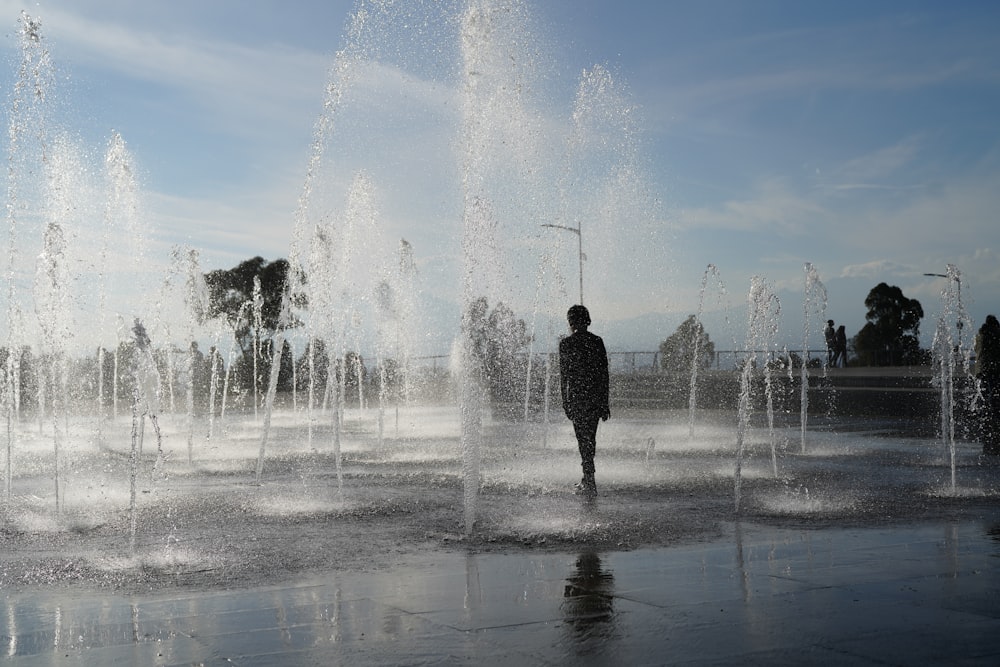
859,551
760,528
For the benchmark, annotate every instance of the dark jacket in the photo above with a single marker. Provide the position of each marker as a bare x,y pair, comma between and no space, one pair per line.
583,370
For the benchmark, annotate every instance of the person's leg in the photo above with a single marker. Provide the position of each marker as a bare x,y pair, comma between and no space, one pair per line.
586,439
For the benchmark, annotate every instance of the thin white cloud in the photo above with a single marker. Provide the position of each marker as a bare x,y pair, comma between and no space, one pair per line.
227,232
773,207
229,80
953,217
878,268
871,170
705,88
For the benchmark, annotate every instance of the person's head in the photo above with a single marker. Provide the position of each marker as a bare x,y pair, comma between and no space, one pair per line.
829,323
578,317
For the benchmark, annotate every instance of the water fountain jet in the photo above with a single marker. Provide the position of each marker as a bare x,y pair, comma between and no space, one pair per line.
813,304
764,310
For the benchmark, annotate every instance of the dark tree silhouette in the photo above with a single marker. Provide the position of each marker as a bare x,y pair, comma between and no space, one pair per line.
891,335
231,295
499,340
678,350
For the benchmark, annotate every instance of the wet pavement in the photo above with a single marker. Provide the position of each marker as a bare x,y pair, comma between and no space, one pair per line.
923,592
853,547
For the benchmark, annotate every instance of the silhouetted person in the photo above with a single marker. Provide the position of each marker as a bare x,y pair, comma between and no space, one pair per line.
840,347
831,342
583,370
988,374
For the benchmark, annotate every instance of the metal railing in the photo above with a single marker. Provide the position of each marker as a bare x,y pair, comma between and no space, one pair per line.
643,362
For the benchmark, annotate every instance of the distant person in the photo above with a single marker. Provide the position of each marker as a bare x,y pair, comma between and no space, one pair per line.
583,370
831,342
840,347
988,375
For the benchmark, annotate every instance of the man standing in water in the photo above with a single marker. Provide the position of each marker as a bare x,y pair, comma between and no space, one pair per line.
583,370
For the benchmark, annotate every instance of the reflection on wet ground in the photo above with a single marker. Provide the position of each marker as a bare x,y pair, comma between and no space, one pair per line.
589,603
900,595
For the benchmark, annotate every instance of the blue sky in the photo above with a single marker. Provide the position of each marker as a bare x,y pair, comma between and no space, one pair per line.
859,137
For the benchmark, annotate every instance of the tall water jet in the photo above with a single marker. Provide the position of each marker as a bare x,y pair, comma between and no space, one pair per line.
310,252
710,271
406,292
493,87
352,287
52,306
762,325
27,137
238,324
951,360
341,77
813,303
320,331
393,314
121,228
257,313
53,282
214,365
196,307
145,404
277,349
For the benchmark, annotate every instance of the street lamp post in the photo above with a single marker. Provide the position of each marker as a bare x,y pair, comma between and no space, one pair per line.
579,237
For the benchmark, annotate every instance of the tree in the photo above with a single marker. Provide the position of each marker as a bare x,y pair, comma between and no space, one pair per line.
677,352
231,297
498,340
891,335
231,291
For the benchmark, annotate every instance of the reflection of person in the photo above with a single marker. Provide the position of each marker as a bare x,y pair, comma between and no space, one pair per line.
840,347
589,598
831,342
583,370
988,374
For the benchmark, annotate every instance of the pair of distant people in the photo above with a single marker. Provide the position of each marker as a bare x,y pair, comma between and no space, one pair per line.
836,345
